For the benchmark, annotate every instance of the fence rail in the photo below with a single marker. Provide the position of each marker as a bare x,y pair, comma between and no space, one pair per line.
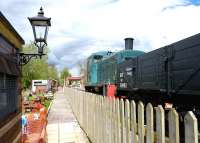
109,120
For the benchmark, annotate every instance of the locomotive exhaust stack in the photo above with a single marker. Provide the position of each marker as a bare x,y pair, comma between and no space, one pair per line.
128,43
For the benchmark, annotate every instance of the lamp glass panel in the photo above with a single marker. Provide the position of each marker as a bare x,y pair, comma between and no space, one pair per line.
40,32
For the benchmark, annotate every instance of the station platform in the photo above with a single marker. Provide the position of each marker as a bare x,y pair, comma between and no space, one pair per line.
62,125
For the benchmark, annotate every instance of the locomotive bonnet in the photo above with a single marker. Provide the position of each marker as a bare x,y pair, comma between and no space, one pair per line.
102,66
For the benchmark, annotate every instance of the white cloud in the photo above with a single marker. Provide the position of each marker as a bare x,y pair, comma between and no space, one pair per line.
52,58
74,70
80,28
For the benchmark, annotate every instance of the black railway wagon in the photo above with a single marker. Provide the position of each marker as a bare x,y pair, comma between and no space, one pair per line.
168,74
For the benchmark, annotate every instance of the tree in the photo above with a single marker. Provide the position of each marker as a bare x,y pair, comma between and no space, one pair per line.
37,68
64,74
52,72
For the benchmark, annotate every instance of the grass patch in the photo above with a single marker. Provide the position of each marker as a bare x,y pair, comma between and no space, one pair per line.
47,103
30,98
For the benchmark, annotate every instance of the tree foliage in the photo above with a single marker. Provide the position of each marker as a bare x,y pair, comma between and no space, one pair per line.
52,72
64,74
37,68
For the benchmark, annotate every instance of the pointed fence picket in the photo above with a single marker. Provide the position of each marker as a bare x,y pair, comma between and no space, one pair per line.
160,125
149,124
191,130
118,121
140,122
109,120
173,126
123,137
127,121
133,122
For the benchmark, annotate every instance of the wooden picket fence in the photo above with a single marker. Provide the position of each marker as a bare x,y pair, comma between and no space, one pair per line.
107,120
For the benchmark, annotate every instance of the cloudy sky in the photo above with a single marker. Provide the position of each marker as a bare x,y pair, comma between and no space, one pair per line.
81,27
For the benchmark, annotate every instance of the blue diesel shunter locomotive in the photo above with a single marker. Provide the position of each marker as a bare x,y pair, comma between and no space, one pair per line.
102,67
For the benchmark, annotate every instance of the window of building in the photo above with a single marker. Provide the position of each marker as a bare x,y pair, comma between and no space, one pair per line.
8,94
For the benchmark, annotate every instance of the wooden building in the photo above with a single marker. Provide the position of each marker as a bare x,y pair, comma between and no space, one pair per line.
10,87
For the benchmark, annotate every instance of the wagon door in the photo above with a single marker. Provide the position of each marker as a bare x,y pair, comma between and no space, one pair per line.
149,71
186,66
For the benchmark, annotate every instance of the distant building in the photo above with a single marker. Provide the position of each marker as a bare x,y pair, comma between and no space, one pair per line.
40,86
10,87
43,86
73,81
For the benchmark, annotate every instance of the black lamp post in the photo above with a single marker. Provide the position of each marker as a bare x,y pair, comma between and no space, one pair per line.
40,25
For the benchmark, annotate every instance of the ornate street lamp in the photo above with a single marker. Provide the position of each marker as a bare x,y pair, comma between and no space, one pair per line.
40,25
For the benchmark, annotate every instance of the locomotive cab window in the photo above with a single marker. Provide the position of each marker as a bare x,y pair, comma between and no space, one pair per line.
98,57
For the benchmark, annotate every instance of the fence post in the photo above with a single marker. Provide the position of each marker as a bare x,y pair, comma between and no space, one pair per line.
98,122
110,120
160,125
86,114
191,130
140,122
107,121
80,106
118,121
127,119
133,122
83,106
114,121
101,120
94,119
94,114
89,114
149,124
123,137
173,126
